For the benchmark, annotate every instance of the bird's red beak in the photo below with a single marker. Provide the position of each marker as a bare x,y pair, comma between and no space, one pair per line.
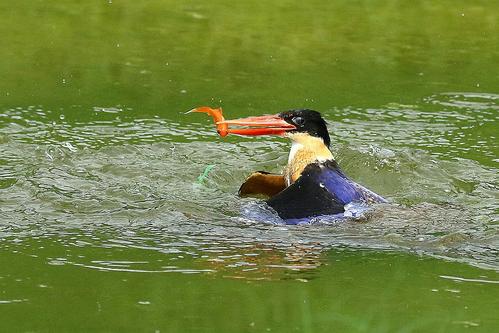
262,125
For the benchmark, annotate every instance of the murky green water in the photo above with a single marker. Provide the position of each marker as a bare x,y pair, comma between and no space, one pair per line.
104,226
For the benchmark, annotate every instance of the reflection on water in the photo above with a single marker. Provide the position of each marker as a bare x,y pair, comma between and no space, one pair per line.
115,185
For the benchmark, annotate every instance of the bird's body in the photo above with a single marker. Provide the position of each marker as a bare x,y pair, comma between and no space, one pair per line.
312,184
321,189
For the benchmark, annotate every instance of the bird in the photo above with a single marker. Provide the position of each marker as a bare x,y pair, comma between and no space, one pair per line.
312,183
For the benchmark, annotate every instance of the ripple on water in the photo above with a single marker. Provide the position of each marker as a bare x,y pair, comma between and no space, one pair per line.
129,188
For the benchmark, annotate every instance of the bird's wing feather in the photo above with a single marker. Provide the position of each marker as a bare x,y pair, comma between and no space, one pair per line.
345,189
262,183
306,197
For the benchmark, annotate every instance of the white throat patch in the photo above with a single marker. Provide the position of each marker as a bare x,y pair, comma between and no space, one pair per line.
304,142
295,147
305,149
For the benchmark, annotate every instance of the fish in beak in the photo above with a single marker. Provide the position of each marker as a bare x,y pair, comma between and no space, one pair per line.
262,125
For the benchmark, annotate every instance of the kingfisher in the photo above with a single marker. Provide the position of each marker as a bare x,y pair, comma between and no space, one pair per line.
312,184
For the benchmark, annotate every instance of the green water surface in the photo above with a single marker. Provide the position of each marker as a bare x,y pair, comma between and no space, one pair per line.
105,227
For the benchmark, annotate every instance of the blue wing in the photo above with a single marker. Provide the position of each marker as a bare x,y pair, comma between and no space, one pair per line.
343,188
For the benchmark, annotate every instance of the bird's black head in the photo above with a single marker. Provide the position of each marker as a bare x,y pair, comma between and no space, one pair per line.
307,121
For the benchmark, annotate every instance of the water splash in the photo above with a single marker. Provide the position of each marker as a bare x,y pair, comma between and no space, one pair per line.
114,184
